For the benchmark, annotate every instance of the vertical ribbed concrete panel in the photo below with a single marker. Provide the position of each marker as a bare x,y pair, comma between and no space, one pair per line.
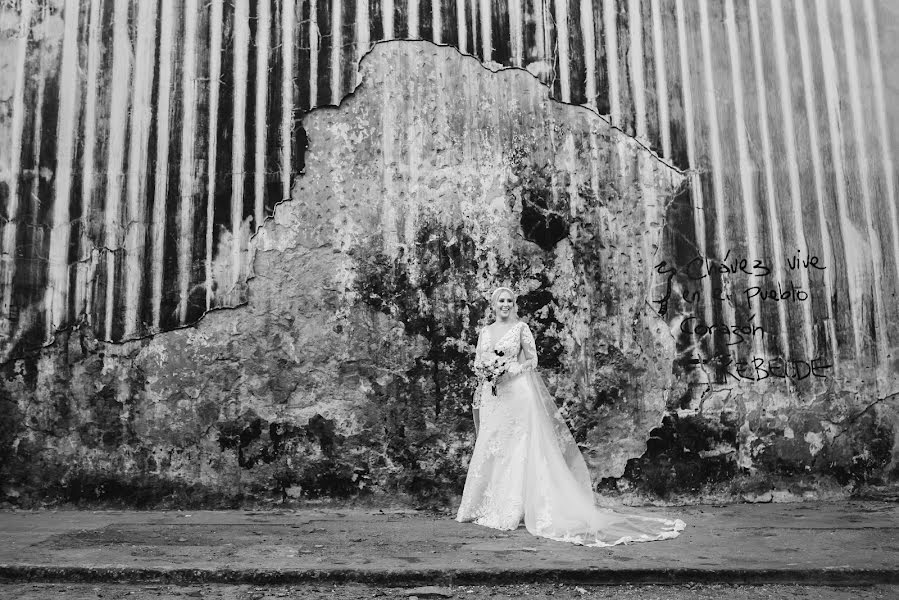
167,25
812,126
719,201
564,57
148,143
239,147
796,238
889,179
16,120
189,142
851,259
746,166
689,121
661,79
136,213
610,29
260,126
436,21
862,167
215,90
336,51
180,136
86,254
767,195
387,15
115,163
56,302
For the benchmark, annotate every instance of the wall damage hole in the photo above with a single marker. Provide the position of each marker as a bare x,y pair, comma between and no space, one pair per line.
542,220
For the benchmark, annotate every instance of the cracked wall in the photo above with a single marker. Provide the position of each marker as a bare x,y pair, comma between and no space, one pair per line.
150,143
350,364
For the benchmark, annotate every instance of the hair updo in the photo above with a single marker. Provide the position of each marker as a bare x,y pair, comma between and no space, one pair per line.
494,298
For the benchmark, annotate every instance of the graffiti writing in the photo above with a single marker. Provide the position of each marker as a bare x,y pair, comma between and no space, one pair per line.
700,267
690,285
797,262
735,333
777,293
758,368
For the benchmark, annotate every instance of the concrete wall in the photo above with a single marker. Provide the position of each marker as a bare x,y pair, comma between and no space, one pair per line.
697,201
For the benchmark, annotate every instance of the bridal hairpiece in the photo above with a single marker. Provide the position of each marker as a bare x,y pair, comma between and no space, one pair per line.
495,295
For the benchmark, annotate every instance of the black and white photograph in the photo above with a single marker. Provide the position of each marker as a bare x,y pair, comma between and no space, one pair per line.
467,299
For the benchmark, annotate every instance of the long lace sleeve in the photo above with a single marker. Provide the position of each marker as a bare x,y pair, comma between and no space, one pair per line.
478,359
529,348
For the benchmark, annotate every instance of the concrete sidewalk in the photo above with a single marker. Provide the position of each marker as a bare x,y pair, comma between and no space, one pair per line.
847,543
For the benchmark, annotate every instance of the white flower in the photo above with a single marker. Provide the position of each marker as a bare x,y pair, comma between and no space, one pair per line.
491,368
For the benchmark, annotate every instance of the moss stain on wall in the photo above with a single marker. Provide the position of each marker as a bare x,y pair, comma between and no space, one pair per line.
348,372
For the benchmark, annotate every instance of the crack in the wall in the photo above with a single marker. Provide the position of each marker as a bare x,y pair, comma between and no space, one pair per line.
102,249
255,251
848,422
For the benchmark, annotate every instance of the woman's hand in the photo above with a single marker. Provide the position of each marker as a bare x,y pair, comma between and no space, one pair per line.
515,368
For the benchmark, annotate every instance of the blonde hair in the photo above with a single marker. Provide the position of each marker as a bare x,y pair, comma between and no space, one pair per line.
494,298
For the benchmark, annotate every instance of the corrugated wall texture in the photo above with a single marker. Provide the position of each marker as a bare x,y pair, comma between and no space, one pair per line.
144,142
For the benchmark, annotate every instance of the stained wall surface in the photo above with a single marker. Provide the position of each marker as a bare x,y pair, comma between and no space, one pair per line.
696,199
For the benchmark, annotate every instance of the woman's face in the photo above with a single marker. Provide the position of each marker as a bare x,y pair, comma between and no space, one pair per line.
504,305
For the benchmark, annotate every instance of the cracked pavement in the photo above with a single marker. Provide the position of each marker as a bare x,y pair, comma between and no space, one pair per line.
850,543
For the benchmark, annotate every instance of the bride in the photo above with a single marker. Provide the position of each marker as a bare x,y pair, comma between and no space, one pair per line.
526,463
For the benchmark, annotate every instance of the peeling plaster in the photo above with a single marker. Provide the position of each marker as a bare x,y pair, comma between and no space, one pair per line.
815,442
324,382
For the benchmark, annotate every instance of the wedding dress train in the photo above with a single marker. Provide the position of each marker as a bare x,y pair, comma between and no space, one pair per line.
527,465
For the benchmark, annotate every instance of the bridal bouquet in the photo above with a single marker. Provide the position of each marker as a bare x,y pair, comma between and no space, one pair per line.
490,368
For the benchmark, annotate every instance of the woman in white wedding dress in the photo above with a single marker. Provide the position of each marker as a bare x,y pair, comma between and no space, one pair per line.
526,463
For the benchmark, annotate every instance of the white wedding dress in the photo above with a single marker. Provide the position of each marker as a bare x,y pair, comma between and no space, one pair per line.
526,463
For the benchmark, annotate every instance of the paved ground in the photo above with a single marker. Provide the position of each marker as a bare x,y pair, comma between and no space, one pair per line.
114,591
848,543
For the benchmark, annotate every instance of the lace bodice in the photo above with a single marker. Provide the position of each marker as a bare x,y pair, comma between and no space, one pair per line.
518,341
